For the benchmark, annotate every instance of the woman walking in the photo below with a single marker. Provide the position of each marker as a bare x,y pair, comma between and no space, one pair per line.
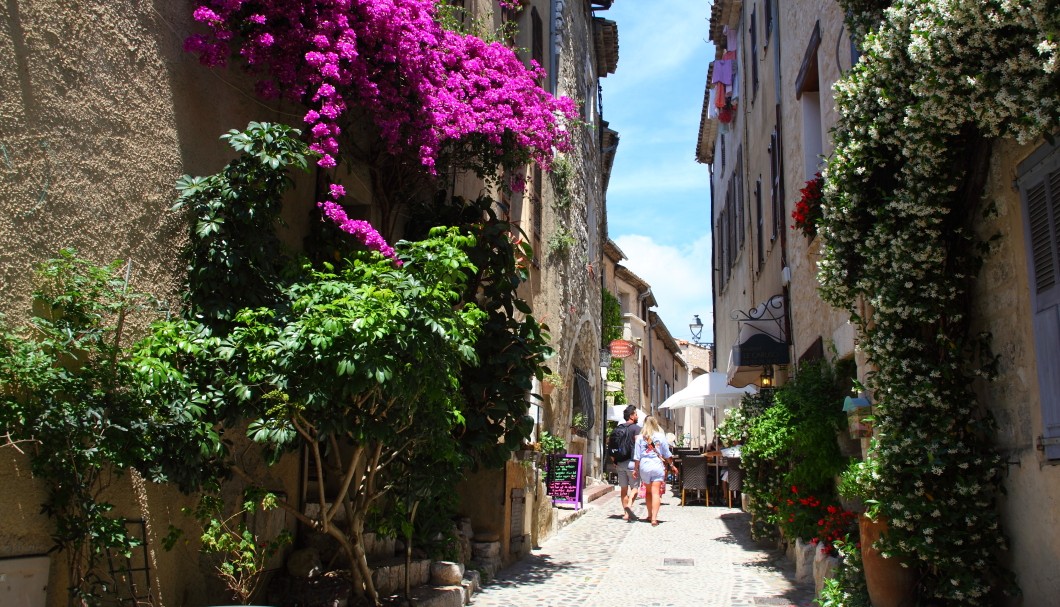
651,459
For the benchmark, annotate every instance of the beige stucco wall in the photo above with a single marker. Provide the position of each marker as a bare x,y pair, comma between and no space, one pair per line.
811,317
100,112
1002,307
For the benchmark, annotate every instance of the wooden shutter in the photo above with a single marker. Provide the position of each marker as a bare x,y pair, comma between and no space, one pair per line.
1039,185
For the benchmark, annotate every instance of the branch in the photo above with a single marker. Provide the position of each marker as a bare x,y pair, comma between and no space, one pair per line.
318,462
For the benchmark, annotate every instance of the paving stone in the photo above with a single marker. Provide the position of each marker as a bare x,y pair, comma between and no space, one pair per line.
698,556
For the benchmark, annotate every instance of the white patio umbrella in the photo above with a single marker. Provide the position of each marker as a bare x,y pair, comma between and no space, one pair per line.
708,391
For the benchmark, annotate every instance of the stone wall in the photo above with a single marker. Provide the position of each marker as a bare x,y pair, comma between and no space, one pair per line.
811,318
1002,307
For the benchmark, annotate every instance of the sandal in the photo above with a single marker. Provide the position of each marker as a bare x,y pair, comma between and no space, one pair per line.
655,523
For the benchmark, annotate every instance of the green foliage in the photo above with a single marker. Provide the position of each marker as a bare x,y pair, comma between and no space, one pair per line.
579,422
243,556
616,372
610,318
550,443
791,447
736,428
847,587
67,401
392,378
562,176
235,259
857,481
560,242
512,347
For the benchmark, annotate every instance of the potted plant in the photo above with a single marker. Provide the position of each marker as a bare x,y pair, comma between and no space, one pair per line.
551,381
808,209
889,582
552,444
580,424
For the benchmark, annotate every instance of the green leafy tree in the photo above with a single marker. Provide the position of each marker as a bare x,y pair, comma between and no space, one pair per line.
235,259
67,402
512,347
390,377
360,368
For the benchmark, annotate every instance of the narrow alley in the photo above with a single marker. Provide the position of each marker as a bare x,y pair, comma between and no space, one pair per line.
697,556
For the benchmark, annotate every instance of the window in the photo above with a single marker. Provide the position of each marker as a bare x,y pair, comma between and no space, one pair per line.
808,91
768,8
775,202
583,401
721,138
730,227
737,186
537,38
754,53
1039,185
761,232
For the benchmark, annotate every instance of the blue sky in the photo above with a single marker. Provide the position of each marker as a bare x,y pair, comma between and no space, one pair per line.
658,200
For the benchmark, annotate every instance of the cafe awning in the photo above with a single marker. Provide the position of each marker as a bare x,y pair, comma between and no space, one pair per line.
762,341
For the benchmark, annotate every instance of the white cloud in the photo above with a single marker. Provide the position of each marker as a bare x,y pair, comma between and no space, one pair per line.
679,277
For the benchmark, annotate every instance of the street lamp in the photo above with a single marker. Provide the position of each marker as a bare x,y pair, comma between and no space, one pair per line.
696,328
767,377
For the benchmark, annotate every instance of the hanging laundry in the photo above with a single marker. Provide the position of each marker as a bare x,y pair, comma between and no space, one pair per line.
712,107
719,95
723,72
729,56
726,115
732,38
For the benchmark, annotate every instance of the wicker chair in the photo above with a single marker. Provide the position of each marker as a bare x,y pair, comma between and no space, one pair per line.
734,478
693,475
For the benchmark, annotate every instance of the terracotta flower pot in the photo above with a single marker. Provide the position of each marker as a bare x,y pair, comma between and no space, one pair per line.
889,583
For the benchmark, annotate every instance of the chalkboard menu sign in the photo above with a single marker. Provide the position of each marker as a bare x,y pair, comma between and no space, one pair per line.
564,479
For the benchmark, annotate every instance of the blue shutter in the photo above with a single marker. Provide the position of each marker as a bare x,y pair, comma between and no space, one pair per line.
1039,185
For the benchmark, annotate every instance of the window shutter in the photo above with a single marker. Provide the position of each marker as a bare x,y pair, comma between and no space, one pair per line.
1039,186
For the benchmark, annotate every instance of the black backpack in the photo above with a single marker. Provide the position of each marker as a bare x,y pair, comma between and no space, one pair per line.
619,447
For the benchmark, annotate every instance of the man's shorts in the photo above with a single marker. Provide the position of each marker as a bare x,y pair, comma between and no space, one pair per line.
624,471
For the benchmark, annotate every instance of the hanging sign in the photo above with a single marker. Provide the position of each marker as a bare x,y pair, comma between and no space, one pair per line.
621,348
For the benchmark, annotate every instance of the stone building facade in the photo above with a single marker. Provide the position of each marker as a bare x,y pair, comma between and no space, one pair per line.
102,111
761,156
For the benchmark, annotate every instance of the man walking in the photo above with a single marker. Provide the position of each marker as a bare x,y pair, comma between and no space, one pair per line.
620,448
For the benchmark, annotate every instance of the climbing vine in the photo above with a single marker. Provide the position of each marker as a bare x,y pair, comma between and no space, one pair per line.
936,82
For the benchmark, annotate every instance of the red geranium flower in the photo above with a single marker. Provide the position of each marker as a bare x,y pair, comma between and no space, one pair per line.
808,209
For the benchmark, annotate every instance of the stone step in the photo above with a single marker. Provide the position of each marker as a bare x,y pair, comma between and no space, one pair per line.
595,492
429,595
388,575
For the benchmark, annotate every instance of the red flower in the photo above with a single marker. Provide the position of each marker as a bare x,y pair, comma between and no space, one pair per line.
808,210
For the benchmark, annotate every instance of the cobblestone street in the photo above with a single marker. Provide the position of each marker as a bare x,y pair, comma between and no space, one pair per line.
697,556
